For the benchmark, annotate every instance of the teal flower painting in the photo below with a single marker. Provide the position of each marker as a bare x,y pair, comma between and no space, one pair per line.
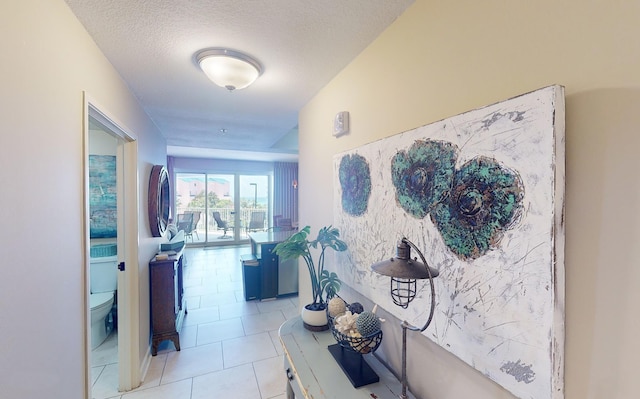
423,174
355,181
481,194
485,201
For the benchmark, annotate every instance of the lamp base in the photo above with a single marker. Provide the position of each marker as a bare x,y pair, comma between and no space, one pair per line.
354,366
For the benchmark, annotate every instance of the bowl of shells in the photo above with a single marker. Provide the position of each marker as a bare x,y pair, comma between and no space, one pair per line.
353,327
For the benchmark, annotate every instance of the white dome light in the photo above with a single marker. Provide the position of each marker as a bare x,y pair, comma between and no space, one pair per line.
228,68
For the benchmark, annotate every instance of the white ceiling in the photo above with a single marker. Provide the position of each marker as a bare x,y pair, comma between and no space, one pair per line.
302,45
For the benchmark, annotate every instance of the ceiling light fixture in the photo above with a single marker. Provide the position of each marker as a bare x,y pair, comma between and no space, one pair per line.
230,69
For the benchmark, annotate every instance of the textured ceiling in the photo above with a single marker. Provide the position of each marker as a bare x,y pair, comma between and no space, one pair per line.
302,45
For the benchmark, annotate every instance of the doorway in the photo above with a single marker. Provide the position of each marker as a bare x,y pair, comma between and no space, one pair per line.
111,232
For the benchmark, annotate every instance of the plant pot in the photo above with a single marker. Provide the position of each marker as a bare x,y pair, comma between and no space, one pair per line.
314,317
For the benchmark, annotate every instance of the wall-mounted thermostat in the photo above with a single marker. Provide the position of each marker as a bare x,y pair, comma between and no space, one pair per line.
341,123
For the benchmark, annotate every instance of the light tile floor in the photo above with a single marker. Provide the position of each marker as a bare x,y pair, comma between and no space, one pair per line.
229,347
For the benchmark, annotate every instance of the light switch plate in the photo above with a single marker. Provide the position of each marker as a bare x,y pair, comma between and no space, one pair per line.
341,123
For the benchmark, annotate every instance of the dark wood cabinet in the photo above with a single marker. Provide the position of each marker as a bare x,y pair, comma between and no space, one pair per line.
168,306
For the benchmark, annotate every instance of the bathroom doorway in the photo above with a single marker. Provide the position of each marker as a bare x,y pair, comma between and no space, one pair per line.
111,234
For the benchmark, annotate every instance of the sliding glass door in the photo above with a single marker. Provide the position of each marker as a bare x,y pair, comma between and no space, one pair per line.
254,204
221,208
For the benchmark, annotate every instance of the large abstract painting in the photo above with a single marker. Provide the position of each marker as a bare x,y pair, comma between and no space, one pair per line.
482,193
102,196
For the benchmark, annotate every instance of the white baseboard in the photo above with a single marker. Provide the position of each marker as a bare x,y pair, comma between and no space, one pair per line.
144,366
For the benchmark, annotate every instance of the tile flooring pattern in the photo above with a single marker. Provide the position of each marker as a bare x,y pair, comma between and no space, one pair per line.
229,347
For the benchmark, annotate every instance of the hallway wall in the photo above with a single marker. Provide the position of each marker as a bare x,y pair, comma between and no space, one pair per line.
443,58
49,60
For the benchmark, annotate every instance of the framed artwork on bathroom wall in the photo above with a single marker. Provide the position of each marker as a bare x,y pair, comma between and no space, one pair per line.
103,197
482,195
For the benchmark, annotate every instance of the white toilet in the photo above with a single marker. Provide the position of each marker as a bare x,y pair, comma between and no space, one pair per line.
104,282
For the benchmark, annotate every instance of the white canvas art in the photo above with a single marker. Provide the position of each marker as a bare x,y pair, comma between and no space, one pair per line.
482,195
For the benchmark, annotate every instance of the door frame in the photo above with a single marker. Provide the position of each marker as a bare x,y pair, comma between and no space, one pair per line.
127,241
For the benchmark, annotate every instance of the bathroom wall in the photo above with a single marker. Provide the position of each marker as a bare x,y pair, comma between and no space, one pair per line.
102,143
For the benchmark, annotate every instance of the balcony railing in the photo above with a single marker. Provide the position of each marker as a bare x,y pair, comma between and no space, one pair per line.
226,214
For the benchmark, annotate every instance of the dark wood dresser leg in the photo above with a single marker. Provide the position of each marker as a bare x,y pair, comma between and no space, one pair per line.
154,347
176,341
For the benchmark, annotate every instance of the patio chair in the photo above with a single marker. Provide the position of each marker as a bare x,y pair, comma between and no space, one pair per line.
281,223
222,225
257,221
192,227
284,224
184,221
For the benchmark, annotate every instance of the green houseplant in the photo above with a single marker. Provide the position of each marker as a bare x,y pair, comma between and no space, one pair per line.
323,283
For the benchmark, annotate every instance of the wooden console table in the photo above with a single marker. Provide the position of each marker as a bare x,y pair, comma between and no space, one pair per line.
168,306
313,373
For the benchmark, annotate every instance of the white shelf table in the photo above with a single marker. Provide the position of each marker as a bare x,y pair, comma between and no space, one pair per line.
313,373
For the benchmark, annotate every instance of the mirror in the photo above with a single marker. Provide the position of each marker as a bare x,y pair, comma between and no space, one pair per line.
159,200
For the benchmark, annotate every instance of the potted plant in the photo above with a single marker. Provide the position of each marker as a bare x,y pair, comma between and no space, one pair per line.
323,283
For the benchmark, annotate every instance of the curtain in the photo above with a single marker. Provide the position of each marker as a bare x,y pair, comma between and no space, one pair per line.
285,190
